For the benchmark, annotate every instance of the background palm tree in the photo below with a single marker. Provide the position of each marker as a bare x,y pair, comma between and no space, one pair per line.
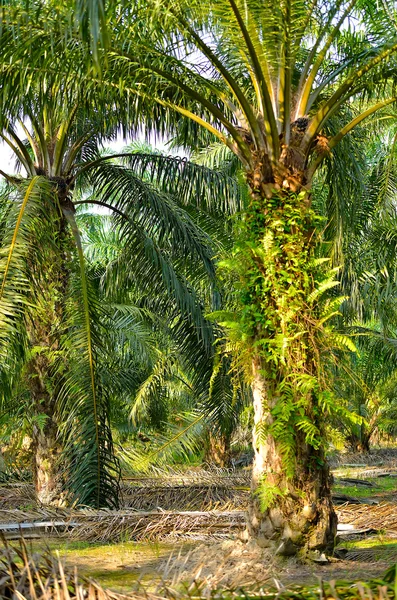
368,280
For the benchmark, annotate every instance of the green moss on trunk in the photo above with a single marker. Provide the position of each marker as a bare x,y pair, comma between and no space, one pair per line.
284,324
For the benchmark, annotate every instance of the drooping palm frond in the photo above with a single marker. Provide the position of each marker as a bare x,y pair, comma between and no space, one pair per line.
214,191
179,441
217,156
84,402
151,401
142,261
22,242
153,211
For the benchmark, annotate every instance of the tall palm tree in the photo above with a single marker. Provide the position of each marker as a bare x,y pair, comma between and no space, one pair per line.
52,323
272,81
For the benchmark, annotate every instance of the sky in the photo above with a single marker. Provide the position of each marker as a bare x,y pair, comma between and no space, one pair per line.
7,161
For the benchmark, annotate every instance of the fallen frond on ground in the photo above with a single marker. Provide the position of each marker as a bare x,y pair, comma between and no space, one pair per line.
220,489
215,476
185,497
107,526
112,526
17,495
35,514
382,517
377,457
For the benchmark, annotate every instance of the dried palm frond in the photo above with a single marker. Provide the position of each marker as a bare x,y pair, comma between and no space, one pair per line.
112,526
215,476
385,457
185,497
381,517
17,494
219,489
106,526
34,514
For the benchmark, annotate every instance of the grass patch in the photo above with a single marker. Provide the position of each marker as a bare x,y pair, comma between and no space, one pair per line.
115,566
380,486
119,581
371,542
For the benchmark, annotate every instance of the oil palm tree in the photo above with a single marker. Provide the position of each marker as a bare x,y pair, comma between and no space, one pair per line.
53,325
270,81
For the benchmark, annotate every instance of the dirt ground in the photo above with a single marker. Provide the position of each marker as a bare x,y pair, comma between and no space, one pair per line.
221,564
231,563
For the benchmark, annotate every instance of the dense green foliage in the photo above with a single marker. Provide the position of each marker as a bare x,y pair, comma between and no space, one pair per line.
267,260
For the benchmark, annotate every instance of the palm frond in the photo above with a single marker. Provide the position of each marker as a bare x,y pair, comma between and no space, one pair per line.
179,441
94,472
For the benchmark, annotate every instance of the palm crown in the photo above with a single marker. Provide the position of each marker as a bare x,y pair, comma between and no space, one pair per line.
263,77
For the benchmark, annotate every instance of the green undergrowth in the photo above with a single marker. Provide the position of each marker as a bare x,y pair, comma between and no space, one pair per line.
381,588
374,548
373,542
81,548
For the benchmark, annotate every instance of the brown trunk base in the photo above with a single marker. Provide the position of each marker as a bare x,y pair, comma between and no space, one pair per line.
359,446
299,516
293,526
217,451
46,468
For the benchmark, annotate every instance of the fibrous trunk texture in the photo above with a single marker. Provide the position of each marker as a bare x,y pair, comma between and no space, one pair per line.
217,450
45,331
301,515
291,499
46,471
45,446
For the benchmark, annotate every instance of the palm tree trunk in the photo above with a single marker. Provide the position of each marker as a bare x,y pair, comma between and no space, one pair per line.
360,443
45,445
291,505
42,374
217,450
295,512
46,466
